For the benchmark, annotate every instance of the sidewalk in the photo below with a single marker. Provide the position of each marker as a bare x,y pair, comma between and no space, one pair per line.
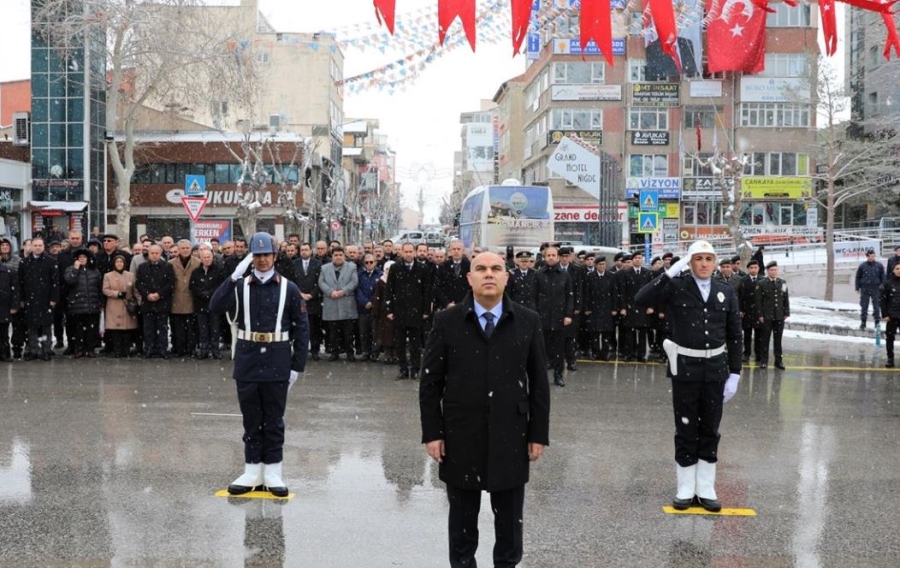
830,318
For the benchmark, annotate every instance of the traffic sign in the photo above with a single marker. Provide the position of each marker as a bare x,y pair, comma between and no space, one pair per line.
648,222
194,206
194,185
649,200
335,225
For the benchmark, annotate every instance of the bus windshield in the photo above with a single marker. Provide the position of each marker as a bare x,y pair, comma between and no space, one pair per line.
498,216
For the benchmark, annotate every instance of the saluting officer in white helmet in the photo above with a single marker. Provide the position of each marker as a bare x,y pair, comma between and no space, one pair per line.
704,355
270,352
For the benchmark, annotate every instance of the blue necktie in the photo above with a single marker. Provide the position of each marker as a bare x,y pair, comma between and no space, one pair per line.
489,326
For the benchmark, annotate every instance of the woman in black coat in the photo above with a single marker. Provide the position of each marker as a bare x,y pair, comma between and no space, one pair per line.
84,301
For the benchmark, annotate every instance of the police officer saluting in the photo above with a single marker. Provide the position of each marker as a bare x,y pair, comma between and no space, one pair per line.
704,363
272,344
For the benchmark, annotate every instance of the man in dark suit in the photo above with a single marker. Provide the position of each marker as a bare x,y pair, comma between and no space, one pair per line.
635,321
555,304
749,319
485,406
408,306
452,283
704,357
773,308
598,308
576,274
307,271
522,286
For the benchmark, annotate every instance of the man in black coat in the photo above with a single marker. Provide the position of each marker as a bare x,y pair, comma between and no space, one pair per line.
205,280
9,305
555,304
773,307
749,316
522,287
155,282
39,282
635,321
408,305
704,358
452,284
307,270
576,275
485,407
598,309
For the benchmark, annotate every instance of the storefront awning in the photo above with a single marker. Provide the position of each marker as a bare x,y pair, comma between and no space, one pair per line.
67,206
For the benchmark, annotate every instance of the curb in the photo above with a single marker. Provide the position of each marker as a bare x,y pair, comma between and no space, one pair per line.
831,330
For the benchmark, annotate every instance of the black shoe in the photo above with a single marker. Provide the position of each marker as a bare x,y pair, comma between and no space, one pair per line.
558,380
641,359
889,364
240,489
403,374
46,357
571,367
779,365
29,357
278,491
862,326
745,359
351,358
216,355
334,357
763,365
682,504
59,344
315,356
414,375
711,505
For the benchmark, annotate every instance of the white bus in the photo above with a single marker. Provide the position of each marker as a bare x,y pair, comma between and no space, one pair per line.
511,214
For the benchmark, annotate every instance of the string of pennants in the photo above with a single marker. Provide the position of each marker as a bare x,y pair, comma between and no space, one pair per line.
411,33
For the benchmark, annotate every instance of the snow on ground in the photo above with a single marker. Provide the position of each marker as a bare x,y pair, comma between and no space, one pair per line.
811,335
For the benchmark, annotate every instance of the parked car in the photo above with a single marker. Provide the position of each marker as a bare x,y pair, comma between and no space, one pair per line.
433,239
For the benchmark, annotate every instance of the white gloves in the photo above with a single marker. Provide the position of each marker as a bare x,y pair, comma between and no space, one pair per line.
678,267
242,268
731,386
292,380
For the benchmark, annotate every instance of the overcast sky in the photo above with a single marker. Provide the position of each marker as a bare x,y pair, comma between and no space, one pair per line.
422,123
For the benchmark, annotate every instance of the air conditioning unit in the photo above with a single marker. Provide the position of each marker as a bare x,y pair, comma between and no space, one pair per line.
274,123
22,130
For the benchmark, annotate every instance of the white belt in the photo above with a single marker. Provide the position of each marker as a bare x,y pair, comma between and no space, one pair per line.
673,350
262,337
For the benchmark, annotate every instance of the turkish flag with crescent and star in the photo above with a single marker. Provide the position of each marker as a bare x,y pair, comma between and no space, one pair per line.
735,36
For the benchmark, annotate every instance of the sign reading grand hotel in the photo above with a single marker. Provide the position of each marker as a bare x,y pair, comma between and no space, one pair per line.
656,94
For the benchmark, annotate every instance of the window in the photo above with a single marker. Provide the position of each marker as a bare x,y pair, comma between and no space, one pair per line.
775,115
577,119
704,116
777,164
648,118
577,73
702,213
568,26
533,95
786,65
648,165
262,57
692,167
785,16
637,70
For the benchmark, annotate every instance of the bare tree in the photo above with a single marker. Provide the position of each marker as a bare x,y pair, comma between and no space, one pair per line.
167,54
847,166
727,171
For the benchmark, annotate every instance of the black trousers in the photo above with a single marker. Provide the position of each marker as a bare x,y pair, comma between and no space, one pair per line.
600,344
183,337
340,336
59,317
367,332
698,412
20,332
120,340
156,333
890,332
465,505
40,340
554,346
208,332
262,405
633,342
5,354
85,332
315,332
412,336
773,330
752,342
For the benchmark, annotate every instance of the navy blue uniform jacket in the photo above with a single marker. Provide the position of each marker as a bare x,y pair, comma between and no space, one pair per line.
486,398
266,362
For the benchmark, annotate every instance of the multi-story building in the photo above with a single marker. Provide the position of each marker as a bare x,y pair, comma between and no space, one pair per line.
650,125
478,159
872,81
374,193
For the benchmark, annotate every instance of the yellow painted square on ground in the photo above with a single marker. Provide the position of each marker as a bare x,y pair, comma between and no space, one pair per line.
254,495
701,511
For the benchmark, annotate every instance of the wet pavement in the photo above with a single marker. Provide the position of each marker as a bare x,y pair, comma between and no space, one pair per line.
115,463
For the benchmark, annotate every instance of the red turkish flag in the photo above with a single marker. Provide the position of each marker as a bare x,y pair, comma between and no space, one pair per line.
448,10
596,24
663,13
521,15
384,11
735,36
829,25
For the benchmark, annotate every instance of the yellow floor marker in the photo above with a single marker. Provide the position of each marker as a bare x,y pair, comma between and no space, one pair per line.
701,511
254,495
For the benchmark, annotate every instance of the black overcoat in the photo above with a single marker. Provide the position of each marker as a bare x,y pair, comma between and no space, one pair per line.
598,300
772,300
448,286
486,398
628,282
39,285
522,287
308,282
9,292
408,294
555,299
577,275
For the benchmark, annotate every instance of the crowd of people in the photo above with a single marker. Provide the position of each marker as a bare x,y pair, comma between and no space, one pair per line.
373,301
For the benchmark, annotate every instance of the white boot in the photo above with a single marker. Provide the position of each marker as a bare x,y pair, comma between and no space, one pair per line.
706,486
272,480
687,478
252,477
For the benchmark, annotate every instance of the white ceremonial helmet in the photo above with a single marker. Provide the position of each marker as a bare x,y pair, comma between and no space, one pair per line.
701,247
